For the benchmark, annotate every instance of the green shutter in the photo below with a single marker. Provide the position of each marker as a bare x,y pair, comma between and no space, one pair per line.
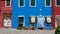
32,2
47,2
21,2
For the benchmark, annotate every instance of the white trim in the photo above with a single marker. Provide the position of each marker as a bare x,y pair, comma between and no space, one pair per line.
24,19
56,4
21,16
19,3
57,15
50,4
32,6
6,5
32,16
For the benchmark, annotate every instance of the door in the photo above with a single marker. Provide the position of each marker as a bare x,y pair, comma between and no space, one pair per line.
40,21
33,21
7,20
20,21
58,20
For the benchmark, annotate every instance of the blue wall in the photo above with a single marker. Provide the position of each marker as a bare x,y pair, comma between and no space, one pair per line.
28,11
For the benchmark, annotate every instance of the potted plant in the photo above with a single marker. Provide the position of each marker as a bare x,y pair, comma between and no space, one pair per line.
57,30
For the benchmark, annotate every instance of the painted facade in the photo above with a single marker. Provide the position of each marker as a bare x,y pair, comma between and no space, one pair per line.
30,11
26,10
56,12
6,11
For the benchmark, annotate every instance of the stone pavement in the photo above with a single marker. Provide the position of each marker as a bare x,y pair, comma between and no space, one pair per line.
11,31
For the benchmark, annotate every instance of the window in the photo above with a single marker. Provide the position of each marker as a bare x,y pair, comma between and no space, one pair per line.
32,3
21,3
7,2
57,2
48,3
32,19
48,19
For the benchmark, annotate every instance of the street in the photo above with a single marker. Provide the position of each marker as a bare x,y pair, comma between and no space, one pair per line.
12,31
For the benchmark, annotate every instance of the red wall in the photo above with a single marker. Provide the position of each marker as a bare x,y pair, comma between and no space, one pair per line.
55,8
4,10
1,22
0,15
56,11
0,6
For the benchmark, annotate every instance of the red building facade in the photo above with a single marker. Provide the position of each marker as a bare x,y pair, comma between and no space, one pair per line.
6,11
0,14
0,6
56,12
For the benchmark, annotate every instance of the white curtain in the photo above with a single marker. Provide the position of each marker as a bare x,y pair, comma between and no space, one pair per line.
41,22
7,22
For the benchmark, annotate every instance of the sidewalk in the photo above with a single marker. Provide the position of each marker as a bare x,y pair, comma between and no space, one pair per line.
11,31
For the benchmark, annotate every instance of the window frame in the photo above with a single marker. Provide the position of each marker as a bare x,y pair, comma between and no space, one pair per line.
6,4
50,4
19,4
56,4
31,5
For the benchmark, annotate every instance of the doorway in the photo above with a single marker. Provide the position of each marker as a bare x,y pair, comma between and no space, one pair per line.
33,22
57,20
7,20
20,21
40,22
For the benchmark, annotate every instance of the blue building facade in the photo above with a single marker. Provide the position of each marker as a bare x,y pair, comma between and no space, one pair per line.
27,8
